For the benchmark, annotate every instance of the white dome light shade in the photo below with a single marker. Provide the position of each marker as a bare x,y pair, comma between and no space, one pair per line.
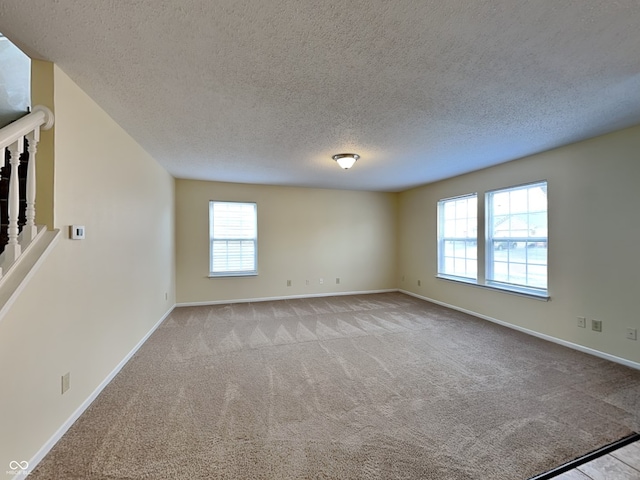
346,160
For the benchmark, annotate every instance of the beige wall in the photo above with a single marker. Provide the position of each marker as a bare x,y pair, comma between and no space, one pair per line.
92,301
594,232
303,234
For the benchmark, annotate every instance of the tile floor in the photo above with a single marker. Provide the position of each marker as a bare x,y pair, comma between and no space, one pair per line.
621,464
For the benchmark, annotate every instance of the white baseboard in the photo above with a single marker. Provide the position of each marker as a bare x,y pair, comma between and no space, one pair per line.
559,341
37,458
285,297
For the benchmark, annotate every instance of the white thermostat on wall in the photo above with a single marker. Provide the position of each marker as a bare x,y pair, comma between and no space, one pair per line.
77,232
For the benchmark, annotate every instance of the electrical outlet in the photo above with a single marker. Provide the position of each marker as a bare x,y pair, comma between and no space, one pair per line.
632,334
403,278
596,325
288,283
337,280
419,283
166,295
66,382
582,322
307,282
321,281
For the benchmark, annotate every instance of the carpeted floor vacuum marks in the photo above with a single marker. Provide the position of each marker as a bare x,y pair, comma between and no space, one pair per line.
381,386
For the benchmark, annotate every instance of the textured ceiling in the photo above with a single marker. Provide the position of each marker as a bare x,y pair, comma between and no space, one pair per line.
266,91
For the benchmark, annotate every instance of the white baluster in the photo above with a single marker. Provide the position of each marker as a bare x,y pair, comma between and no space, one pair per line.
3,151
30,230
13,249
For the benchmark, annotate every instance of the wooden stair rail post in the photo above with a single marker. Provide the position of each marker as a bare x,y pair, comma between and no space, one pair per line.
3,161
30,230
13,248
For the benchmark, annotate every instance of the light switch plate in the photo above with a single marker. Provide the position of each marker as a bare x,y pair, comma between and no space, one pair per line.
76,232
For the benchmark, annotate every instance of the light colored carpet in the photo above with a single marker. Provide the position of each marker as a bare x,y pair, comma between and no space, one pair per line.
380,386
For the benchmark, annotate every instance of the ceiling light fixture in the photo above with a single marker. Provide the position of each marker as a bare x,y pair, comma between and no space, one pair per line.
346,160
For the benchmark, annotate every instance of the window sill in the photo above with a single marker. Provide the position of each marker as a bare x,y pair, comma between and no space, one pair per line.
231,274
499,287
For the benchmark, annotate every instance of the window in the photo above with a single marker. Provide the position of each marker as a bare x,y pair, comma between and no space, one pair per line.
517,238
514,237
457,237
233,234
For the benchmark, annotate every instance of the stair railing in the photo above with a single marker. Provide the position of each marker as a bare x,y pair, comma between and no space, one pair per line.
12,137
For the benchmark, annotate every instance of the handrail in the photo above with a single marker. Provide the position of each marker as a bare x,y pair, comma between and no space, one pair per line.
41,117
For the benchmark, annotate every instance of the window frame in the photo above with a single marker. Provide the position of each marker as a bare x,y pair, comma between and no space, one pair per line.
490,238
212,239
442,239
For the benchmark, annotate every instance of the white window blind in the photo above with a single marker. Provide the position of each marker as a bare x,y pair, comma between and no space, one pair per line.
233,232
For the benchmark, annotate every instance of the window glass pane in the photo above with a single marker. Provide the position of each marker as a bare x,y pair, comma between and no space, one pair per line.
472,268
519,225
500,224
448,249
518,201
517,273
517,241
472,251
461,228
500,271
459,266
472,207
449,210
448,264
537,276
537,253
449,228
500,203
